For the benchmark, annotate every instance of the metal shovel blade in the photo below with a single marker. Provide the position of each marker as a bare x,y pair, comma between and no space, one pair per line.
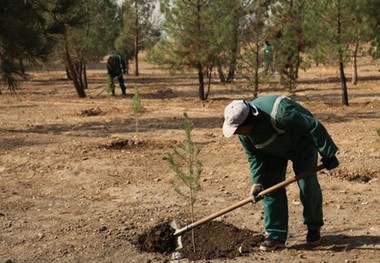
174,225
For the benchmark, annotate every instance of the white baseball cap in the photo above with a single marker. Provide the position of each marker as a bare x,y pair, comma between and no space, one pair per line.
235,114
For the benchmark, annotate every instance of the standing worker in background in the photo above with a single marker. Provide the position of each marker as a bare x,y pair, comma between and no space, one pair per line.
116,67
268,58
274,129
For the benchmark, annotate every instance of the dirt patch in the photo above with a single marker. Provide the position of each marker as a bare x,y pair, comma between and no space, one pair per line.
123,144
91,112
357,176
82,189
137,144
213,240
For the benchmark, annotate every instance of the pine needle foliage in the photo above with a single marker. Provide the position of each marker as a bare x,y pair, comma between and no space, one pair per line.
137,107
110,85
185,163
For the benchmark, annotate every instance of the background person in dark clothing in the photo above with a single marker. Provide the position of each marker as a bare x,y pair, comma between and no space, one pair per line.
116,67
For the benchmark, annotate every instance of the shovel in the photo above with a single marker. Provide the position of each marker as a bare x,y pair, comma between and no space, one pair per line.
178,232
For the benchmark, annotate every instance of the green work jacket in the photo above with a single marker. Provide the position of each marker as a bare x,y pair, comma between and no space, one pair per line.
286,130
119,67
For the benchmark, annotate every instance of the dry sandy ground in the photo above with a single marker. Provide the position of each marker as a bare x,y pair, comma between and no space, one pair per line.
81,188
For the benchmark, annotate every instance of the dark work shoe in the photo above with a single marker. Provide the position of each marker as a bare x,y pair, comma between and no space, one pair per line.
271,245
313,236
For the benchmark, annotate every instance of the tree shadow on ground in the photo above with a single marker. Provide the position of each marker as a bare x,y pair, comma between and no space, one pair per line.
99,128
336,80
341,243
10,144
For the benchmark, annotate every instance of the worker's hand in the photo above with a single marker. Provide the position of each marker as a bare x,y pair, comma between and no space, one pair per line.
330,162
255,190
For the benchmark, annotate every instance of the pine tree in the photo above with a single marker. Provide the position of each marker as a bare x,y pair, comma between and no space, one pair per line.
288,39
137,30
26,39
197,33
184,161
137,107
372,8
329,24
253,33
90,28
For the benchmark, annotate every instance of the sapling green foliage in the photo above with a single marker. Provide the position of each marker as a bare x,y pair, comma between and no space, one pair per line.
137,107
110,85
185,162
378,133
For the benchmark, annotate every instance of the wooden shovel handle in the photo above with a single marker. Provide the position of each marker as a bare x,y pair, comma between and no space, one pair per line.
289,181
248,200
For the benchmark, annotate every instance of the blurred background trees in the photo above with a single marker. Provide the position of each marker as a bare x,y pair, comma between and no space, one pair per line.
139,29
223,38
25,37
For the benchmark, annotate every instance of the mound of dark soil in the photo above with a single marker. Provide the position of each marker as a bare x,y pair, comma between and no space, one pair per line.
121,144
158,239
356,176
138,144
219,240
91,112
212,240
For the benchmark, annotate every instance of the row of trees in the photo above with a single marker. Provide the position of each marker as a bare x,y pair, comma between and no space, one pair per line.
72,32
223,36
228,35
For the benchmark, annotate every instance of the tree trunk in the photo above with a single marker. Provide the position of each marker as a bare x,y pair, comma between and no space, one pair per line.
74,74
136,40
221,74
355,64
343,80
201,89
68,76
209,70
234,50
341,63
256,70
84,71
78,67
21,63
298,63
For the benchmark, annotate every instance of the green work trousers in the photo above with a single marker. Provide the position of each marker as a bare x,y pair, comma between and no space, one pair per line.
111,85
276,203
